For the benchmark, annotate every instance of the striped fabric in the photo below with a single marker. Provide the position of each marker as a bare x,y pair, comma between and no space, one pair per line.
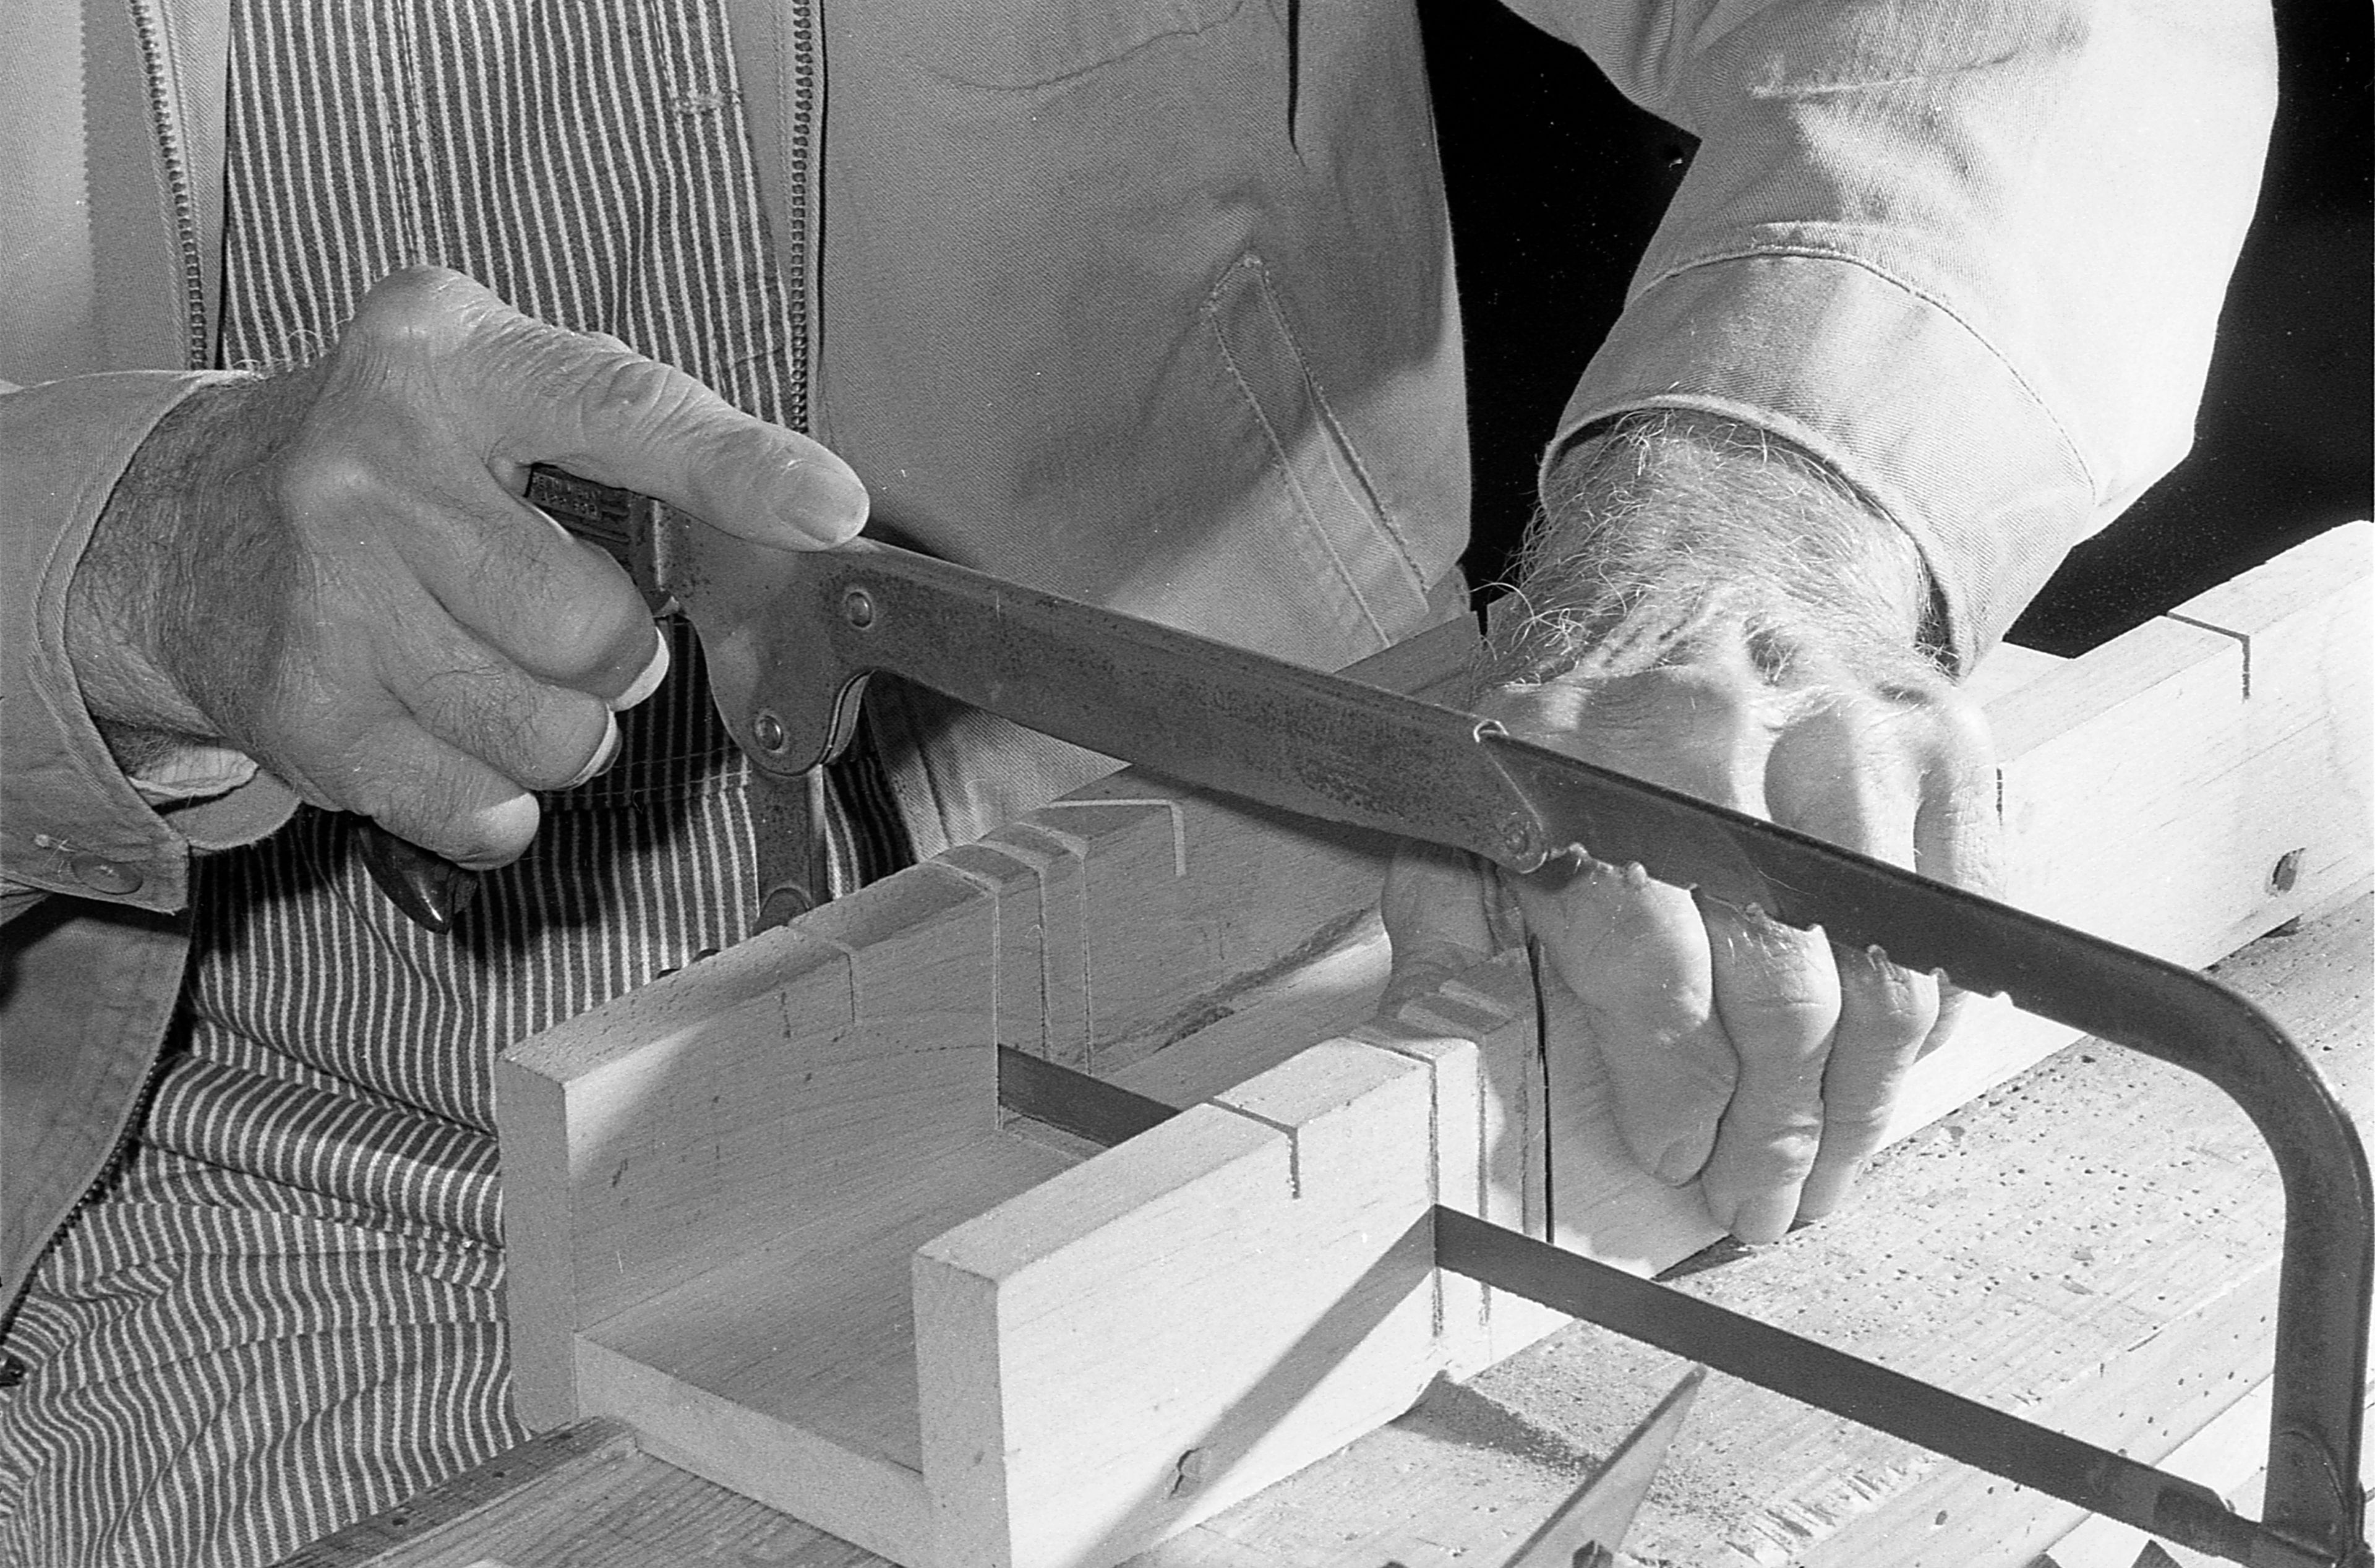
285,1312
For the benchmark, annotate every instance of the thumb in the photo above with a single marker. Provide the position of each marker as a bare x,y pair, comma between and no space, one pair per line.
1439,920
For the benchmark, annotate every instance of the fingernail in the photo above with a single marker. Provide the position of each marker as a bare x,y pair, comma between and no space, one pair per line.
1825,1189
831,502
509,826
1681,1162
604,755
642,686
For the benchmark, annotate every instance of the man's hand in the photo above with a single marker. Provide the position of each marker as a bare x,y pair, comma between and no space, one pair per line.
1712,612
330,570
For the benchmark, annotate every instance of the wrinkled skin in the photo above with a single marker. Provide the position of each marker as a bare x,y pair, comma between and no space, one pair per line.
1760,1061
330,570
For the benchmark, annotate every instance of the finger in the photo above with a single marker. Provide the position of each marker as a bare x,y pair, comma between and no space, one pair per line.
1849,774
645,426
1957,835
442,799
559,608
1776,996
534,734
523,392
1634,954
1885,1013
391,525
1434,906
646,681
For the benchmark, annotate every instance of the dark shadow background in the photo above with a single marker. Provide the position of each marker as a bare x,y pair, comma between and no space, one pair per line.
1557,182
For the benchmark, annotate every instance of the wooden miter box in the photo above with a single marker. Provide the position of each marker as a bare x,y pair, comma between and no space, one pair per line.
768,1210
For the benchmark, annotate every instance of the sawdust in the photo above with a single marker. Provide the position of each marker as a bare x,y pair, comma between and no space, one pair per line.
1462,1414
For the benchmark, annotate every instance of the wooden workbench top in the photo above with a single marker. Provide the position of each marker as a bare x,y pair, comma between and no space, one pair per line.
2091,1245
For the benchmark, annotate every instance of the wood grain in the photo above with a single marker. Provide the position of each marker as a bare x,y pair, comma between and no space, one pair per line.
1244,1288
672,1132
714,1187
1466,1472
2090,1246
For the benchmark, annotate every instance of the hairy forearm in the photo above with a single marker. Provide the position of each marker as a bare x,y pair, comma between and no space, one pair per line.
1669,524
179,541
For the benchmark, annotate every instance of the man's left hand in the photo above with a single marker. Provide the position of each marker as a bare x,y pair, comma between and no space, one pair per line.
1761,1060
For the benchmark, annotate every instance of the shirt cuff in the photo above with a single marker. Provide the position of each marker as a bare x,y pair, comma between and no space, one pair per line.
191,772
1899,398
73,822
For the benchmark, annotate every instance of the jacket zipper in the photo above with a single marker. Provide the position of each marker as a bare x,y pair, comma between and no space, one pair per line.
180,190
148,27
119,1155
868,810
800,213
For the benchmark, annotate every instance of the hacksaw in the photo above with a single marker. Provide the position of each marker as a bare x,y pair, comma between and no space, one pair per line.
790,638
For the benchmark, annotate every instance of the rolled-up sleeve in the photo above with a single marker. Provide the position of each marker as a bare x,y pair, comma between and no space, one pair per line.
1971,255
70,822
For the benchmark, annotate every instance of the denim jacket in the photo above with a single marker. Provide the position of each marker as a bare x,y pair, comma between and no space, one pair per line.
1152,303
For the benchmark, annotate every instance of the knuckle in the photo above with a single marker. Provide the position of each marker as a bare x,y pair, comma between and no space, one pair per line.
635,393
1960,724
1708,1077
332,479
1767,1143
563,735
579,635
1696,696
1886,990
498,718
1854,1127
418,308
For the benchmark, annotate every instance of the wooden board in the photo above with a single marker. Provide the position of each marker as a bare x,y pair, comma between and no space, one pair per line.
1244,1288
713,1186
2091,1245
2086,1244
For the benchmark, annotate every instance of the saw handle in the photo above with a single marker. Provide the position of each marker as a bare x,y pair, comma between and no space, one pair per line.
427,887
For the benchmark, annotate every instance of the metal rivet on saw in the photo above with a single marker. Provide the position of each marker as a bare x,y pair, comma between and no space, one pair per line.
857,608
768,731
1518,836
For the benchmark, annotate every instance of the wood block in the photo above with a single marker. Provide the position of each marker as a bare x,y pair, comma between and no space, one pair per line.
1145,1339
716,1185
671,1132
1492,1005
2186,787
789,1374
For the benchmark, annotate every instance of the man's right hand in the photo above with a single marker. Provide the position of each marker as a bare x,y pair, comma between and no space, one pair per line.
331,570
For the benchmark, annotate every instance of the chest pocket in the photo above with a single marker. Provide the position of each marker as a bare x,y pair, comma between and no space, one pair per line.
1040,42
